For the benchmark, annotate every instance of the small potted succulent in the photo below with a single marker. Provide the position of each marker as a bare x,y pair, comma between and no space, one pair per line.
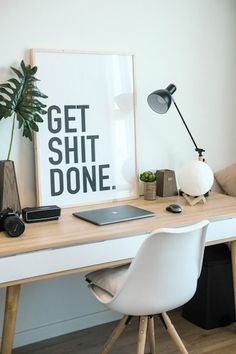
149,179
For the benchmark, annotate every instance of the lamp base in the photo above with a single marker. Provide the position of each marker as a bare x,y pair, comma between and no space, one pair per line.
194,200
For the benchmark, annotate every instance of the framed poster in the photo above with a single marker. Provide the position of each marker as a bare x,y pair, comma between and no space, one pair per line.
85,148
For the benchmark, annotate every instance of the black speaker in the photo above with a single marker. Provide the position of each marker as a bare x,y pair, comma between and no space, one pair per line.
42,213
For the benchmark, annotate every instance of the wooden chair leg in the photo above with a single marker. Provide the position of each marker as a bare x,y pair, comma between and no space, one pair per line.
115,334
172,332
151,335
143,322
11,305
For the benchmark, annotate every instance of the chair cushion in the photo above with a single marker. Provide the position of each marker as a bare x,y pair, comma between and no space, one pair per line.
109,279
227,179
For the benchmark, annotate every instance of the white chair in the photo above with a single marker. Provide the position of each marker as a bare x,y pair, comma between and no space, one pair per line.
162,276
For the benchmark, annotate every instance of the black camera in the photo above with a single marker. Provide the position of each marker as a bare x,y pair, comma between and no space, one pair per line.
11,223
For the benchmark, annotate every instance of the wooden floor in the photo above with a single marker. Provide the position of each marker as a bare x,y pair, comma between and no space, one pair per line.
198,341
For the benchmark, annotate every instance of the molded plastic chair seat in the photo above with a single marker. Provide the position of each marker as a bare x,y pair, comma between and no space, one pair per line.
162,276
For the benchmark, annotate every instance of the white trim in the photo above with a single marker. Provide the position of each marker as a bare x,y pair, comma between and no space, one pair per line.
63,327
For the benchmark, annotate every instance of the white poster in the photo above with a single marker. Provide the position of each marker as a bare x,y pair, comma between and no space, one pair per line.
85,148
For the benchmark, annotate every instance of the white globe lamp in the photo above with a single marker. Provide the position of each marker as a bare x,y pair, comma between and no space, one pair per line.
195,179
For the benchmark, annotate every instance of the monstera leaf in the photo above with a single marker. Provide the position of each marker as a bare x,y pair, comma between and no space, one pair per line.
19,98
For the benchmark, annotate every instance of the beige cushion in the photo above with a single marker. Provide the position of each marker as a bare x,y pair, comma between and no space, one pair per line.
102,295
109,279
216,187
227,179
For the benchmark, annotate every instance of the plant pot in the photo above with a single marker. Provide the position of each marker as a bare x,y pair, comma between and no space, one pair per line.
9,196
149,190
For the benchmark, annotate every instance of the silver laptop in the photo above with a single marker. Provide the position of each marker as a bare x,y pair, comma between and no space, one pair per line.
111,215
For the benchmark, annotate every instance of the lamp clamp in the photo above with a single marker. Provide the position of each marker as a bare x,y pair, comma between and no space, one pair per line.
200,155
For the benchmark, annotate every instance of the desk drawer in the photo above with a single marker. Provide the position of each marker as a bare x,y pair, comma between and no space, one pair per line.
220,230
44,262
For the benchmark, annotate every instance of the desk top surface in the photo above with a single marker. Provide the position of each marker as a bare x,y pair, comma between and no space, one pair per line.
69,230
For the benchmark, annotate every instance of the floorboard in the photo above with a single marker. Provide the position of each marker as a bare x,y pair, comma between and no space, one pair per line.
89,341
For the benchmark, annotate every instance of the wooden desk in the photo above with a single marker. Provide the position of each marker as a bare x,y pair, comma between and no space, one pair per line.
70,245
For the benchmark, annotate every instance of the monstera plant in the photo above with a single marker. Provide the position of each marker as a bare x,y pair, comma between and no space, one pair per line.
20,100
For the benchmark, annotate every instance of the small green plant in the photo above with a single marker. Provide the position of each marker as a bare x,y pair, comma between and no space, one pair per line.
19,99
148,176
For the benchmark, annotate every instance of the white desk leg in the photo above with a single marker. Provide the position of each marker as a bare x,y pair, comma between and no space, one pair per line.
9,324
233,259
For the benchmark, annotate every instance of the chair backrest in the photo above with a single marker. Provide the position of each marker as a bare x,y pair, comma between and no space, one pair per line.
164,273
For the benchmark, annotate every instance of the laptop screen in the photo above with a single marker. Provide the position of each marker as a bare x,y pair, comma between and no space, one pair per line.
111,215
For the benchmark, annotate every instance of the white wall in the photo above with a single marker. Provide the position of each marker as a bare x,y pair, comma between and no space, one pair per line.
188,42
54,307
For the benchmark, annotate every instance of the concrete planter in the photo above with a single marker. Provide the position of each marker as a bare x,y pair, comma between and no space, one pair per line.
149,190
9,196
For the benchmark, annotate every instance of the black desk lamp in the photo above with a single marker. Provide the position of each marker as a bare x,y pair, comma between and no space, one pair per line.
160,102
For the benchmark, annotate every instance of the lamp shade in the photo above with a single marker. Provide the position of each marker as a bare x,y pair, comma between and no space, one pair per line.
160,100
195,178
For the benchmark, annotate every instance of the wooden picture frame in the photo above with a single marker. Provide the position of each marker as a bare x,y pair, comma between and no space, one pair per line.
85,148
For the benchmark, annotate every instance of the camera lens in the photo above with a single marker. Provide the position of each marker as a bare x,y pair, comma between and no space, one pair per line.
14,226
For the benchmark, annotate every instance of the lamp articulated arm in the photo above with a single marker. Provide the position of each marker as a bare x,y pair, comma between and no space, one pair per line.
199,150
160,102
